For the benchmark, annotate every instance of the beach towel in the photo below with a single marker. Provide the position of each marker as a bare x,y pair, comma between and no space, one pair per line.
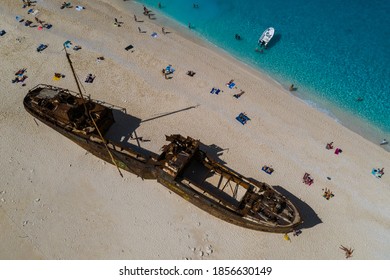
231,85
2,32
215,90
242,118
41,47
79,8
267,169
154,35
129,47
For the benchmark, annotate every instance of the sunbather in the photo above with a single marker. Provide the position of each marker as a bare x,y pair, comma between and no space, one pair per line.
329,146
237,95
267,169
41,47
90,78
20,72
307,179
19,79
328,194
297,232
66,5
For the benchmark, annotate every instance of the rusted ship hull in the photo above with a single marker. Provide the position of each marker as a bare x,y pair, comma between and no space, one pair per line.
215,209
182,167
190,173
140,167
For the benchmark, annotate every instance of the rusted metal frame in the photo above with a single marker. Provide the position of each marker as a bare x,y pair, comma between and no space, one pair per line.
220,181
235,191
89,114
226,183
228,173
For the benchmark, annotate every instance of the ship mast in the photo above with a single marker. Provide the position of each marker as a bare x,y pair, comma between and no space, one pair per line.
88,112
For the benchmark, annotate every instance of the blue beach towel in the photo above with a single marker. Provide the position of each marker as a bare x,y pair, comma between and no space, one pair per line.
231,85
215,90
242,118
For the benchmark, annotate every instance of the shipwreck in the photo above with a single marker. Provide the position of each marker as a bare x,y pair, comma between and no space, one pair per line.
182,166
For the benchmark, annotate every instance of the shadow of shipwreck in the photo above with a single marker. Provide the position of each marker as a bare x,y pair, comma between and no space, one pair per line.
124,130
214,152
309,216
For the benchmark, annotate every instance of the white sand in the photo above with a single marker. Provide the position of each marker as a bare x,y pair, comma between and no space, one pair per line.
57,202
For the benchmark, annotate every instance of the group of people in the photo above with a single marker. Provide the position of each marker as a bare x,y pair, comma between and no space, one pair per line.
328,194
329,146
90,78
378,172
307,179
147,12
20,77
168,71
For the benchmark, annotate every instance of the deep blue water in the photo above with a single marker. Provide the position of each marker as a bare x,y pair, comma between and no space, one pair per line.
334,51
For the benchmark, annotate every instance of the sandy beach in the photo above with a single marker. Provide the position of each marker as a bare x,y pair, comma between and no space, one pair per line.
59,202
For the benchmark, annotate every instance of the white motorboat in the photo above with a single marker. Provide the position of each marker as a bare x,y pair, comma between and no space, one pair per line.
266,36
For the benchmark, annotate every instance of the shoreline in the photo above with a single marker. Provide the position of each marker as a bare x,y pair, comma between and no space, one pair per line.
348,119
64,203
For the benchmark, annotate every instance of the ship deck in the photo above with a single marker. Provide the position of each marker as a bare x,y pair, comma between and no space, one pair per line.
212,184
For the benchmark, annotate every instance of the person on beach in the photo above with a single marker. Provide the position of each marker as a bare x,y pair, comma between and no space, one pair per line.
329,146
146,11
163,30
258,50
291,87
189,25
139,30
135,17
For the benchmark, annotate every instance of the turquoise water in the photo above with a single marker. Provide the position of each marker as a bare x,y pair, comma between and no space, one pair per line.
335,51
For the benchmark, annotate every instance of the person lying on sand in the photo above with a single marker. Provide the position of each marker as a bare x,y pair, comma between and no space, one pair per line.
190,73
329,146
